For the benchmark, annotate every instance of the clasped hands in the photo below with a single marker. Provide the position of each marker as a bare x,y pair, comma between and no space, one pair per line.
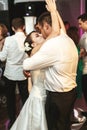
26,73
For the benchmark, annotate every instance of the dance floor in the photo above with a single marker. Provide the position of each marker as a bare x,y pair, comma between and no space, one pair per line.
80,103
3,111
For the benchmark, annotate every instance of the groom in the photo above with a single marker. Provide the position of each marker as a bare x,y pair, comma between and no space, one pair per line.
59,57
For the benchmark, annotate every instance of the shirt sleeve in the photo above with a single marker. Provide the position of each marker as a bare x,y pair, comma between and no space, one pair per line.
45,57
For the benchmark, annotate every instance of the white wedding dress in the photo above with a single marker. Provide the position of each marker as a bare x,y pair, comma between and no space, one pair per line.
32,115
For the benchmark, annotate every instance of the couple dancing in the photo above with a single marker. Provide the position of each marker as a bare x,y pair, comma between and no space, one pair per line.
53,73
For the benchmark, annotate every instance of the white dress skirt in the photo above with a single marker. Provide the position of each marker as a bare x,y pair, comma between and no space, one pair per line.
32,115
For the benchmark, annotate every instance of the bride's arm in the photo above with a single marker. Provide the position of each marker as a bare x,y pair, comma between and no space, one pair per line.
29,84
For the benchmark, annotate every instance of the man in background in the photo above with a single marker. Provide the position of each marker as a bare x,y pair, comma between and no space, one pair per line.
82,22
13,53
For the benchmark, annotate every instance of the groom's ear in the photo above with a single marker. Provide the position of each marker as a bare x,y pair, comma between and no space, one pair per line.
46,26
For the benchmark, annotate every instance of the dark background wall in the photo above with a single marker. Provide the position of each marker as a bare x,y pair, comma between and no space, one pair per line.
21,9
86,5
4,17
71,9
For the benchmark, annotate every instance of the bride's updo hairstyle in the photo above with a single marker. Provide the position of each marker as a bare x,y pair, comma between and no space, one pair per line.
28,43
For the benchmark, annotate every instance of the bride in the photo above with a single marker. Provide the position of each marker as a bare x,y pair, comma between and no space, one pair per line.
32,115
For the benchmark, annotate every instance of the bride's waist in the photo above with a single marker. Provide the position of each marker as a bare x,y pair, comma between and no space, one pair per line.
38,92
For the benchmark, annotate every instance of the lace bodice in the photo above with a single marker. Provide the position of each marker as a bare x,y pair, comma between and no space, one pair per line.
38,77
38,88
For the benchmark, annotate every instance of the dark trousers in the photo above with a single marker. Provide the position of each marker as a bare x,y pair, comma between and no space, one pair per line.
59,107
11,96
84,86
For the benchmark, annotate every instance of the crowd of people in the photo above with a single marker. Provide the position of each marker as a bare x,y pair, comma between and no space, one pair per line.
49,68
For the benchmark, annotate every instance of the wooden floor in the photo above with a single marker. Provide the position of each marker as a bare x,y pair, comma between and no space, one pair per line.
80,103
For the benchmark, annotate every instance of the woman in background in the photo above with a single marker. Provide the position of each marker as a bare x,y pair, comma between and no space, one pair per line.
3,34
73,33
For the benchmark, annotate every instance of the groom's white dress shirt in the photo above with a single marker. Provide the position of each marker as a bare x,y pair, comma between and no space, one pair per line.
59,57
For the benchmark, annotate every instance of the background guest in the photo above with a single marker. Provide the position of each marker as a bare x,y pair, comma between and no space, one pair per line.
13,53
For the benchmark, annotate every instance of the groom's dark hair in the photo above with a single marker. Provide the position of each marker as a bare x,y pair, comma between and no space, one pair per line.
45,17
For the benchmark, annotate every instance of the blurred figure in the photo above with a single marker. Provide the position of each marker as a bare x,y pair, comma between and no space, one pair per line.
67,25
73,33
77,116
3,34
13,53
82,22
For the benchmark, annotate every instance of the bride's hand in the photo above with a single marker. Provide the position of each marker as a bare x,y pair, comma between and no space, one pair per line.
26,73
